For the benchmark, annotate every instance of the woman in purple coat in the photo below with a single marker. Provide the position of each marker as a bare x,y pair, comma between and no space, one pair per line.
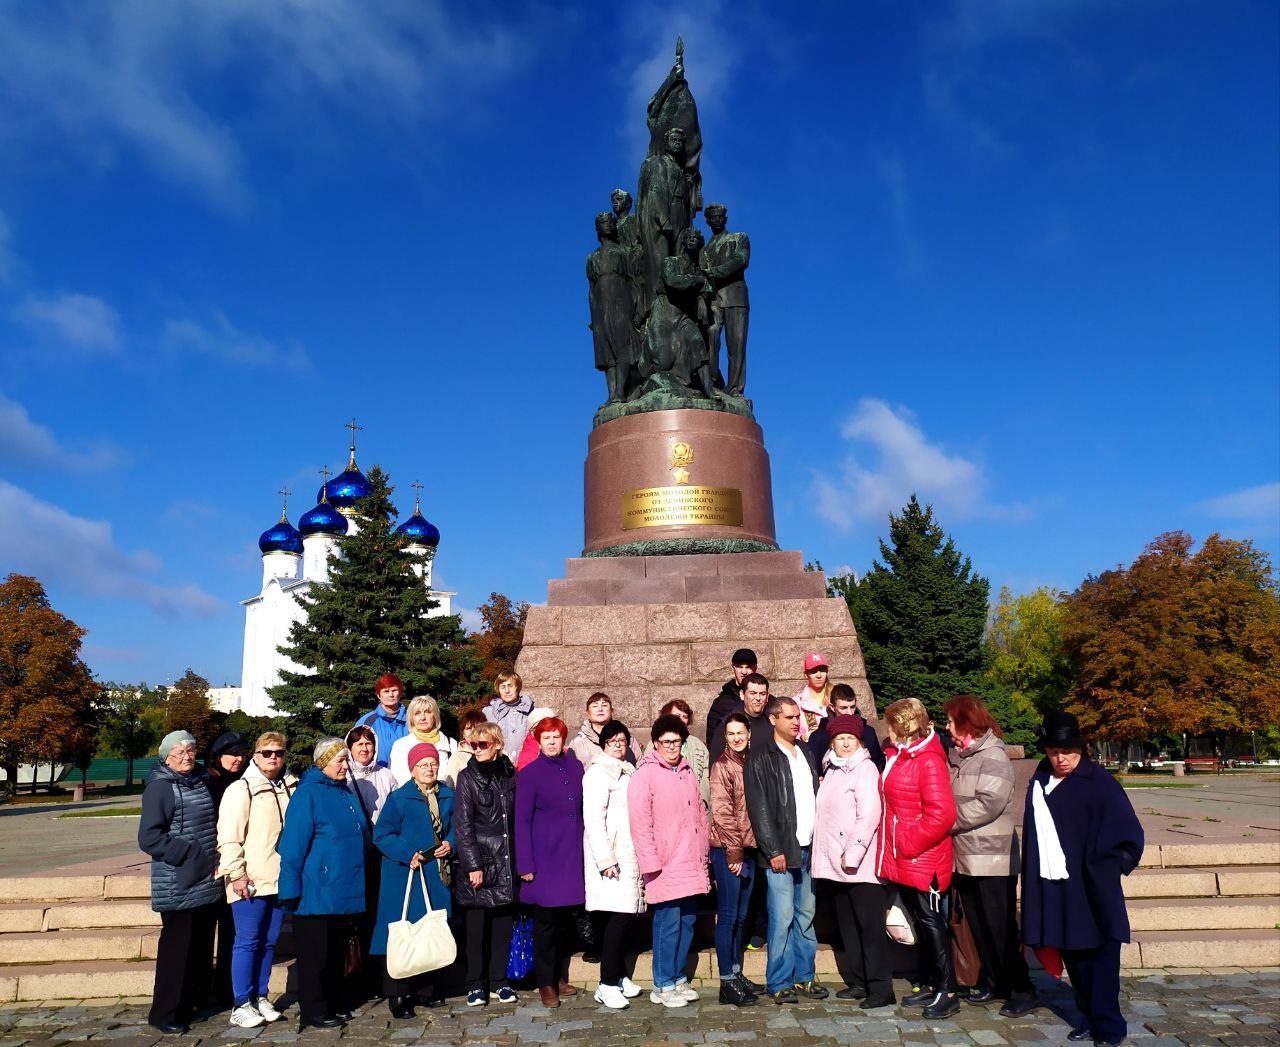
549,854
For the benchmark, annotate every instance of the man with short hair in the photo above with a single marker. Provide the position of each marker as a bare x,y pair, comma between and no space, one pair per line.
844,703
729,700
755,699
781,785
388,721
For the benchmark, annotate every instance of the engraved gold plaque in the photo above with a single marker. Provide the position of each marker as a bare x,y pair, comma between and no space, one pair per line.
691,506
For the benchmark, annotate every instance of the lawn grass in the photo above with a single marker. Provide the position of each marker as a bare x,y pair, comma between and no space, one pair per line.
105,812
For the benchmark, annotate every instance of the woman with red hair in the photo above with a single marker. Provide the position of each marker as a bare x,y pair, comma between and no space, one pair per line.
549,830
389,720
986,850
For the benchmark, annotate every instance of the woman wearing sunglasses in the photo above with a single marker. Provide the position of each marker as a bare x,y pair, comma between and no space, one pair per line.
484,808
249,824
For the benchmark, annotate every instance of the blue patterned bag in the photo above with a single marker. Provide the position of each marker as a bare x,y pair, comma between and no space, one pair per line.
520,958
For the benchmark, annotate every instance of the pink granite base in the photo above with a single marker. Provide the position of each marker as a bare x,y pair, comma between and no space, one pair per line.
649,629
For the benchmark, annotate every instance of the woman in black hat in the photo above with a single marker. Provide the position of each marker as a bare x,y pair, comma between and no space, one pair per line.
1081,835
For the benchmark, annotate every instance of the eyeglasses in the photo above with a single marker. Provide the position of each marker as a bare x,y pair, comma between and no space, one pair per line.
277,753
671,741
481,746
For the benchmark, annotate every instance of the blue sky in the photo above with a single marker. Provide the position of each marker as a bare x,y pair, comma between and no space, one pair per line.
1020,258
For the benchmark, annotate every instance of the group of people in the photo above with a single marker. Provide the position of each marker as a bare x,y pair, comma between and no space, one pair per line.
521,817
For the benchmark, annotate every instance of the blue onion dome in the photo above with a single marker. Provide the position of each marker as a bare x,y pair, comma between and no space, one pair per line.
323,519
281,537
418,529
348,487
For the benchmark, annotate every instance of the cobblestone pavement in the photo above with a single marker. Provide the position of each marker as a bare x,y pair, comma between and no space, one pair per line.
1233,1008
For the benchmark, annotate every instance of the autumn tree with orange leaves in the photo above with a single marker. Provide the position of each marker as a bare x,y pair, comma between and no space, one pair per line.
46,691
499,641
1177,641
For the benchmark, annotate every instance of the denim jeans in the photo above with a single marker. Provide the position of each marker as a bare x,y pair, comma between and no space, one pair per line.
793,947
672,936
257,928
733,896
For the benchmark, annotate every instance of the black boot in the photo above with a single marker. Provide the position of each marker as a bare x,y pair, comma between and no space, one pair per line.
755,988
942,1005
921,995
735,994
401,1006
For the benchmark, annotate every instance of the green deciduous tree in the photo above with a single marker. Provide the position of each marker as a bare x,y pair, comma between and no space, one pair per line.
1024,644
132,715
920,614
46,690
187,708
369,619
1177,641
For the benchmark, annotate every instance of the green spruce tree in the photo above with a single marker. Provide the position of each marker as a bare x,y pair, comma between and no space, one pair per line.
370,619
920,615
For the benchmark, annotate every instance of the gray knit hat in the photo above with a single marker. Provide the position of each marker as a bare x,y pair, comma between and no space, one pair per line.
172,740
326,749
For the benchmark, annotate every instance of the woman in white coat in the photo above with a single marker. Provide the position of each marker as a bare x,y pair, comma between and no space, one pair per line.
424,726
612,873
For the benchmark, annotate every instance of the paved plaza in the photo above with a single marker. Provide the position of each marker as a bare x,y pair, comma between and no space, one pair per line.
1234,1008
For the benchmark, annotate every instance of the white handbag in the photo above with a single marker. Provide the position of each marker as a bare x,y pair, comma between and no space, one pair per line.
423,945
897,923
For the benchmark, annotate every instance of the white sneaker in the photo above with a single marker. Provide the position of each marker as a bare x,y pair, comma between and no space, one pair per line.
668,998
611,996
268,1012
686,991
630,989
246,1016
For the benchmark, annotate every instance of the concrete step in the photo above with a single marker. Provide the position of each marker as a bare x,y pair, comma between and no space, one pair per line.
20,918
1171,883
89,943
1167,855
50,888
95,979
1248,947
1252,880
1174,914
118,912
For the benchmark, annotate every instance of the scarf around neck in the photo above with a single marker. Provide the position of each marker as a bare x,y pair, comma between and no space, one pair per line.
432,736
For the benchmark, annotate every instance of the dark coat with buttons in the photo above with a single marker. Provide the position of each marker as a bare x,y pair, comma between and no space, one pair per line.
484,818
549,830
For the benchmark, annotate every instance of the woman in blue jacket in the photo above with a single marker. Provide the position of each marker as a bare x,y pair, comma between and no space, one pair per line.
414,830
322,880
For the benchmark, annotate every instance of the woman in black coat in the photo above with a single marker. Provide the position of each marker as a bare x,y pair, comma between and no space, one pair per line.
1081,836
483,819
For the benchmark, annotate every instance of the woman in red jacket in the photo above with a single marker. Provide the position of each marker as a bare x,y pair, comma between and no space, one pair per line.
915,846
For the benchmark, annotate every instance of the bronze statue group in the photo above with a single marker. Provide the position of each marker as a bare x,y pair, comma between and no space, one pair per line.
530,834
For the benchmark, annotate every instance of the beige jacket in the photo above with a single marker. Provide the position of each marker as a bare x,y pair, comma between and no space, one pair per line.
986,842
249,825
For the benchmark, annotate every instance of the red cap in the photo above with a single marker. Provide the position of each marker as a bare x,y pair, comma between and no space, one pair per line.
814,660
420,752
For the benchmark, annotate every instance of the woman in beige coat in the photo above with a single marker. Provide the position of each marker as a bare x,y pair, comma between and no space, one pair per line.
249,825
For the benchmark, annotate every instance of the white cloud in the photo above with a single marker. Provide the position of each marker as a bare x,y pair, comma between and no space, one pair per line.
222,340
8,260
26,443
1252,503
81,555
904,462
471,620
135,76
77,319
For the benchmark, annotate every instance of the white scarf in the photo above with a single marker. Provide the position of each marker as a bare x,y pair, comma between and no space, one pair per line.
1053,862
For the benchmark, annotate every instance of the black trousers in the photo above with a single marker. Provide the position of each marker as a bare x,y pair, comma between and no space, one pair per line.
990,904
613,940
222,995
1095,980
393,987
183,968
757,922
933,937
553,935
488,944
320,943
860,910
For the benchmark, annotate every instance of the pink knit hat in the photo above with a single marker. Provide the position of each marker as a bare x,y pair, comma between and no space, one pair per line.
420,752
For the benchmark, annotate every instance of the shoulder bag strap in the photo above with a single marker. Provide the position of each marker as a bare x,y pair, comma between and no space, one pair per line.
408,886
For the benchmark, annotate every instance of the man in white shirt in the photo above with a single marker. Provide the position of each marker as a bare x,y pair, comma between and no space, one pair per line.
781,786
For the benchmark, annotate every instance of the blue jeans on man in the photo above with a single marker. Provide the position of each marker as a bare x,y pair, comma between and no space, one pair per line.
672,936
257,928
733,897
793,947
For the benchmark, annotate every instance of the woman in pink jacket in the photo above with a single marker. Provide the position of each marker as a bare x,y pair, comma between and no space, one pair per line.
844,852
673,844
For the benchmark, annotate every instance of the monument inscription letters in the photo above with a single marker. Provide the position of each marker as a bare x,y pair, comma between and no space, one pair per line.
682,505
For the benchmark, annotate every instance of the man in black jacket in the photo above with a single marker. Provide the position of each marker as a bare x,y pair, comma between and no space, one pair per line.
752,704
729,700
781,786
844,703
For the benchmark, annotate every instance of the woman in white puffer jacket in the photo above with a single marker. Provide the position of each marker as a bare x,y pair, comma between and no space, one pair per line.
612,873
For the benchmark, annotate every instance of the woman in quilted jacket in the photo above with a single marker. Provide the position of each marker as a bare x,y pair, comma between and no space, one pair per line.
915,852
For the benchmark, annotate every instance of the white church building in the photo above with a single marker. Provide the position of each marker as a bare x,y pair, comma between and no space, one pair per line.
293,560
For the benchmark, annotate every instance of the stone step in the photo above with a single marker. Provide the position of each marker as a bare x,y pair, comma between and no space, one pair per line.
21,918
1170,883
80,944
95,980
1251,880
118,912
1165,914
1247,947
1233,853
50,888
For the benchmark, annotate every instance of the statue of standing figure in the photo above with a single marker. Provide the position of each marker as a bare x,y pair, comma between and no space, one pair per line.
724,261
675,342
612,308
665,211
